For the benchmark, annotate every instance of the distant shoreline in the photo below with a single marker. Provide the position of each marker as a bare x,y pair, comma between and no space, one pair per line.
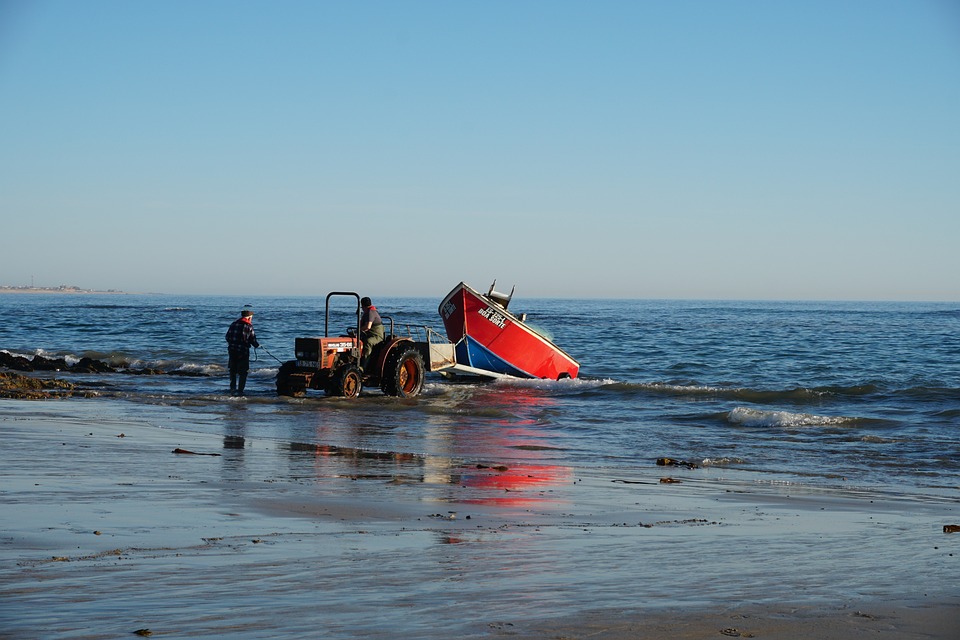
66,290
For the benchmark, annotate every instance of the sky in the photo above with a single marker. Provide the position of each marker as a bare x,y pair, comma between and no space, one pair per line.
690,149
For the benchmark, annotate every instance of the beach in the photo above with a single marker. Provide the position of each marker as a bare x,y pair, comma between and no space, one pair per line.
118,522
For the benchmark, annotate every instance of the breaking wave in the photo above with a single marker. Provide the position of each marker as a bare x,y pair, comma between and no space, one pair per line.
723,462
784,419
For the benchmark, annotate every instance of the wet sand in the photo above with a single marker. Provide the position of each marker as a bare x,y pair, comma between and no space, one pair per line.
109,529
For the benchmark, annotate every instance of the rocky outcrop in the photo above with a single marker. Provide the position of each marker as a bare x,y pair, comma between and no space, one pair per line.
15,385
89,365
85,365
17,363
40,363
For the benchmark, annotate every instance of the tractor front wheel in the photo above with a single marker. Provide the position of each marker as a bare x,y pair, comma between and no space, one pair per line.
290,383
346,382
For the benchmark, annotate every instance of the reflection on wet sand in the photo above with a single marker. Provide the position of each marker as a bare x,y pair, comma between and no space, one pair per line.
485,442
500,484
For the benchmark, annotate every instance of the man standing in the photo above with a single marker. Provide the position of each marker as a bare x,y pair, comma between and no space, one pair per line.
240,337
371,329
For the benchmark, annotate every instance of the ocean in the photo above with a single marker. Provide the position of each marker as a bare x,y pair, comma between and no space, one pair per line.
827,394
819,442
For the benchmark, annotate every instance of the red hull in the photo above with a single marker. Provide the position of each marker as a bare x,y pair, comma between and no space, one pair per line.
490,337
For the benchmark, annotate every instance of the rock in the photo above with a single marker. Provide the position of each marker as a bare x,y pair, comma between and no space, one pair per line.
15,385
146,371
40,363
89,365
178,450
672,462
17,363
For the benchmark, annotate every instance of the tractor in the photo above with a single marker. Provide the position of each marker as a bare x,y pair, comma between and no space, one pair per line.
332,363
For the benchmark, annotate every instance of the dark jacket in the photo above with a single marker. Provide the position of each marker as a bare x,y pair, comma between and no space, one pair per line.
241,336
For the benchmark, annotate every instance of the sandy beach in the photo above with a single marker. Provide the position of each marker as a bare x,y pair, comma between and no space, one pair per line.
113,526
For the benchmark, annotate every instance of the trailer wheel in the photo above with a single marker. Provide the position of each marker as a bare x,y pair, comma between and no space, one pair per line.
346,382
403,373
290,383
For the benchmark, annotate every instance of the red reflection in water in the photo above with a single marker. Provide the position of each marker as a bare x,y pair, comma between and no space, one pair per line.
518,484
504,426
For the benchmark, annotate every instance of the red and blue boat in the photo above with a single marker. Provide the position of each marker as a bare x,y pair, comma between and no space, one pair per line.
491,339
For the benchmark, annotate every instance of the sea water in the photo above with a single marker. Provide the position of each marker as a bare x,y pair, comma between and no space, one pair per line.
851,394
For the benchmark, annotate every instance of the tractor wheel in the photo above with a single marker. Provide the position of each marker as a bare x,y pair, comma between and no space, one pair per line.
403,373
290,383
346,382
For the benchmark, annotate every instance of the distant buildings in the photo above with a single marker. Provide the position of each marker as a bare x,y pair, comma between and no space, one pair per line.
64,288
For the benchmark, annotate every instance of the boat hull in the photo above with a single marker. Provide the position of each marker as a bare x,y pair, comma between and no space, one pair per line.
490,338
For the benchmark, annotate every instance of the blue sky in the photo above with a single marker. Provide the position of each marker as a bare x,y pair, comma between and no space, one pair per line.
686,149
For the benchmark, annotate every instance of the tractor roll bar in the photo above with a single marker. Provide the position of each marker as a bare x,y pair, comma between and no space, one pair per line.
326,321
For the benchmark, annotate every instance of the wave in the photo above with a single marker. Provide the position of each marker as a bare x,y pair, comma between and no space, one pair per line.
120,362
722,462
565,385
932,393
43,354
746,394
947,413
785,419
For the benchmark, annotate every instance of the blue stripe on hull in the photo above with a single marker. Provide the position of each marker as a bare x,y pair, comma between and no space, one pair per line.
476,355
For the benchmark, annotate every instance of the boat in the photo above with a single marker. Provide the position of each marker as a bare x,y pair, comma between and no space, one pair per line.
493,341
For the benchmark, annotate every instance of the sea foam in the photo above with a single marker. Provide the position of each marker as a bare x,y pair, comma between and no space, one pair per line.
785,419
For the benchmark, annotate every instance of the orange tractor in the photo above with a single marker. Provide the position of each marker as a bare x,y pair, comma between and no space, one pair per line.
332,364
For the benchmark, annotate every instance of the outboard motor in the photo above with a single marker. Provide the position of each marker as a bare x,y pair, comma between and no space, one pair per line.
501,299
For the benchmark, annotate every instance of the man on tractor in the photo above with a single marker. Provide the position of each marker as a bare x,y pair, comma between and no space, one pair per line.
333,363
371,329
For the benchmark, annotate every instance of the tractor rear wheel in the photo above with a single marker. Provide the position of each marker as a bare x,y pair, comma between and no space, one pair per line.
346,382
290,383
403,373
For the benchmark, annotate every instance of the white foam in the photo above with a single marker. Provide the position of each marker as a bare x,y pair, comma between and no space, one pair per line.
685,388
566,384
721,462
784,419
